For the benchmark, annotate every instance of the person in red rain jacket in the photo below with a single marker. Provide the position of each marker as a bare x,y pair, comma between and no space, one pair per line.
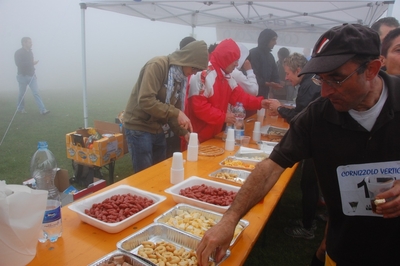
211,90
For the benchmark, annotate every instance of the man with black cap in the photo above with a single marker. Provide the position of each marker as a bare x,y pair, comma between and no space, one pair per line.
351,132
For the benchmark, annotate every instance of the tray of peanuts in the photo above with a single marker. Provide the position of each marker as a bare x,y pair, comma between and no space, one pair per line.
232,175
239,163
162,245
196,221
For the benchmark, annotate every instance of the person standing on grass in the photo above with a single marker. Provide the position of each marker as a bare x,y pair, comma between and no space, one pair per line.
158,99
26,76
352,128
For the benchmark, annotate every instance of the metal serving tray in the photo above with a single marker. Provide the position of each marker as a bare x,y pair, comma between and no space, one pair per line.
269,130
242,163
256,156
157,232
129,258
266,146
241,175
173,212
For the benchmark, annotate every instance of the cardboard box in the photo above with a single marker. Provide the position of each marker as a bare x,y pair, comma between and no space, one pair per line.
103,150
68,193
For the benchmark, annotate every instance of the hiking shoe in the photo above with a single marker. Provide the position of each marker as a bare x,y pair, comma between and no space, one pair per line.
299,231
299,222
22,111
45,112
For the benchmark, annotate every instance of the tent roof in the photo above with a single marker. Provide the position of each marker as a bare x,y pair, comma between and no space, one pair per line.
298,23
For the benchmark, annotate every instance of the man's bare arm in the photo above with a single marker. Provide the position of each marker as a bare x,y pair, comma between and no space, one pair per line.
257,185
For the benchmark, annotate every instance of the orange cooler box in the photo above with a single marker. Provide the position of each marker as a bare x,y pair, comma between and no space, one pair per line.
102,152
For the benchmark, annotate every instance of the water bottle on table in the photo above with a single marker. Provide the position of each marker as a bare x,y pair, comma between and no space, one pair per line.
43,169
240,114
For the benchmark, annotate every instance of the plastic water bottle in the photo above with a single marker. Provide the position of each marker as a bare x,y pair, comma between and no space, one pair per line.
240,114
43,170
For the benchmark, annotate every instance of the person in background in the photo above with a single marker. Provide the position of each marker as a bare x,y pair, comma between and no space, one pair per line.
384,25
157,99
243,73
26,76
390,52
173,141
263,63
288,92
212,90
354,125
308,92
185,41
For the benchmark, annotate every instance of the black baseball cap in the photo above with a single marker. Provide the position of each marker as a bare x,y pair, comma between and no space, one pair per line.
339,44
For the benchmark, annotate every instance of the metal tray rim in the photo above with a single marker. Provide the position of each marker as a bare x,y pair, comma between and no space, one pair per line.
244,223
164,227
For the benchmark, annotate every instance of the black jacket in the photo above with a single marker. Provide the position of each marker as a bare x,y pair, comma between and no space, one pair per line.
263,62
308,92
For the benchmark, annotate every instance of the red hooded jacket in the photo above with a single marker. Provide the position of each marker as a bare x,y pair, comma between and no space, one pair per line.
211,90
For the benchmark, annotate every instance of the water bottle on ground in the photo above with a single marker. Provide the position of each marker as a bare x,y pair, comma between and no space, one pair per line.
240,114
43,170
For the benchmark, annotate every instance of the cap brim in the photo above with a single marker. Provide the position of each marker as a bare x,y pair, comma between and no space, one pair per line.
324,64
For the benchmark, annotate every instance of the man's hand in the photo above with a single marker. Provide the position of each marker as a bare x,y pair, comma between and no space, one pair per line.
230,118
184,121
218,239
391,208
273,105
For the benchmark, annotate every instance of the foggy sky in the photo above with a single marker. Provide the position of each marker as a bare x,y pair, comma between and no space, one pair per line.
117,45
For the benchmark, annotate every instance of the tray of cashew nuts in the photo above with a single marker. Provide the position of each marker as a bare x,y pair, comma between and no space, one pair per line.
162,245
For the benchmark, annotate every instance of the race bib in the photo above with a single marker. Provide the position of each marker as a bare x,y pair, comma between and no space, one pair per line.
353,188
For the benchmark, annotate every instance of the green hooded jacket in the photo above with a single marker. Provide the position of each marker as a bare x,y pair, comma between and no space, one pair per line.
146,109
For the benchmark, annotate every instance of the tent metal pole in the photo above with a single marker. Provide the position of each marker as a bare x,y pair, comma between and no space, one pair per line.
83,37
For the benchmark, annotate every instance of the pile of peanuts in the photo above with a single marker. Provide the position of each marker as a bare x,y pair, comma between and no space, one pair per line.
195,223
166,254
229,176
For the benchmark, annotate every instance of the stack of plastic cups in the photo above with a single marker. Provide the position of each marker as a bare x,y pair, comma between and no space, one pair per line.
256,131
230,140
177,170
260,114
193,148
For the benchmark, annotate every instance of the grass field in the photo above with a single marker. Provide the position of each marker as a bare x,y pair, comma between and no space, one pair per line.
20,134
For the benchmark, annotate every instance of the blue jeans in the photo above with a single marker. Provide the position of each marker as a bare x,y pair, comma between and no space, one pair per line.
23,82
145,148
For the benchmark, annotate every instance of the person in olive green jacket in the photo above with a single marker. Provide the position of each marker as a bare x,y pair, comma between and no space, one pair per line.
157,103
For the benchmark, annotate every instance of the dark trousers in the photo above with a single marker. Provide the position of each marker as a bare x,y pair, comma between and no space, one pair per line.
310,191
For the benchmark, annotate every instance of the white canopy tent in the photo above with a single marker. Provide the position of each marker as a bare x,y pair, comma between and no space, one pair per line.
298,23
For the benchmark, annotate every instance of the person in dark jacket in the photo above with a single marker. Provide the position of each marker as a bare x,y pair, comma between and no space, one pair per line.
263,63
308,91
